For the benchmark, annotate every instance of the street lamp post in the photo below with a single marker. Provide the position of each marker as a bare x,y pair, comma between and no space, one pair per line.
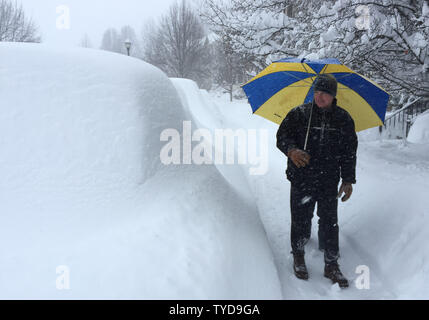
128,46
425,71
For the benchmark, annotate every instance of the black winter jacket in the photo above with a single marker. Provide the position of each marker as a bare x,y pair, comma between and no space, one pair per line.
332,144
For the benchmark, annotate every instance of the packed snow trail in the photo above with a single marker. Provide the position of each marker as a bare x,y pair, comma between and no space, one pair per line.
382,226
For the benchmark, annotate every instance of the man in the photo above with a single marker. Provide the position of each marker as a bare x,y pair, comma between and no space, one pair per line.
330,154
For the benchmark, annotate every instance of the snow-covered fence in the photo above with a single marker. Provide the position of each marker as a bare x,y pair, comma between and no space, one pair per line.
398,124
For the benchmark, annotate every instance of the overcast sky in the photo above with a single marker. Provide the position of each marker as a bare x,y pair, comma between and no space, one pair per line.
90,16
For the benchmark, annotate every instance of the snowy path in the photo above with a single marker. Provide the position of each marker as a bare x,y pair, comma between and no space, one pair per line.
393,181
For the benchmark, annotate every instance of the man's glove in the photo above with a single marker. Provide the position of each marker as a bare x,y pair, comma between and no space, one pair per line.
299,157
347,188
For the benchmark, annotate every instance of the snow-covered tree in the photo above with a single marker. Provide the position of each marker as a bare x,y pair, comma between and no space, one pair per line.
115,41
111,41
85,42
261,28
229,67
15,26
386,40
178,45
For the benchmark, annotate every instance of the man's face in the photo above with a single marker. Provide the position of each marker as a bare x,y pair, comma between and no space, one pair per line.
323,99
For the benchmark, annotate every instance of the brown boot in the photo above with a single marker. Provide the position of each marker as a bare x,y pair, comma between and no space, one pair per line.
299,267
332,271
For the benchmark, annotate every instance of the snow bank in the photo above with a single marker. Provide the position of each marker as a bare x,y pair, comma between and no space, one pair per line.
371,134
207,117
419,131
388,217
89,210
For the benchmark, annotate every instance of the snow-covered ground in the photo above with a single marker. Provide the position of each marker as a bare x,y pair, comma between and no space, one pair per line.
84,188
383,226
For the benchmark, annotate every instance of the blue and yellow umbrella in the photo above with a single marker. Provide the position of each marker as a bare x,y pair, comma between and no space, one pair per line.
288,83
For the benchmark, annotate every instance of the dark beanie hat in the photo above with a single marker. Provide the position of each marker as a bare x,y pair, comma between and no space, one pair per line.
326,83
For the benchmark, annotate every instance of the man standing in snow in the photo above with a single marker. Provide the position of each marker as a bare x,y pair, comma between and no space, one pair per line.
320,142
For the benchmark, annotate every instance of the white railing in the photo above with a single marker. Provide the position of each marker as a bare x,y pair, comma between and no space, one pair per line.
398,124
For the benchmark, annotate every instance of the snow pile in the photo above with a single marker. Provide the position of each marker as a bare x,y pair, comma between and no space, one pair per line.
89,210
371,134
51,124
419,131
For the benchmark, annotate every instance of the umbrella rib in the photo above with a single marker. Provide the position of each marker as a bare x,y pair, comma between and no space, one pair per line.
303,65
323,69
296,86
347,75
299,79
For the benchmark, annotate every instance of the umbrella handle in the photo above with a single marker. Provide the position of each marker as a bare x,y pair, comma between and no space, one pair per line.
308,129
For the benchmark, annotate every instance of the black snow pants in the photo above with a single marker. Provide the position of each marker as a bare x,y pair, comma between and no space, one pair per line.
303,199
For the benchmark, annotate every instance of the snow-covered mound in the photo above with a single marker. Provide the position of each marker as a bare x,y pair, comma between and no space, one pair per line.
88,210
419,131
81,117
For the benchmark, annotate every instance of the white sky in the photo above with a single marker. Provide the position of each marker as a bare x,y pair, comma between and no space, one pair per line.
92,17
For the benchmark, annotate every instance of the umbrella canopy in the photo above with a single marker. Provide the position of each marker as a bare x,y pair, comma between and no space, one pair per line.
287,83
